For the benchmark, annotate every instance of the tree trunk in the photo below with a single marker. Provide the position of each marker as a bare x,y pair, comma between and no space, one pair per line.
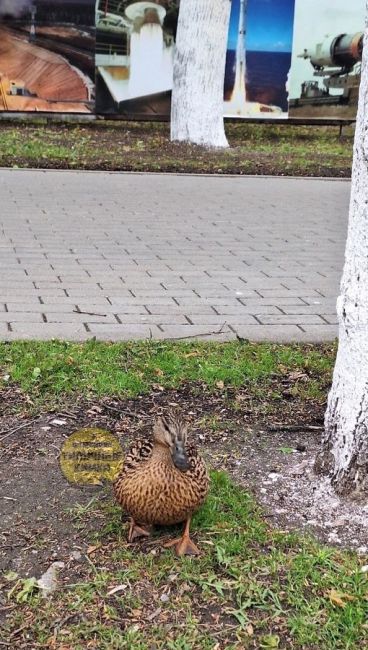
199,69
345,443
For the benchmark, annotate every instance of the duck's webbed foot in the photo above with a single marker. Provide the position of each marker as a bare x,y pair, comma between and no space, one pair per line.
137,530
184,545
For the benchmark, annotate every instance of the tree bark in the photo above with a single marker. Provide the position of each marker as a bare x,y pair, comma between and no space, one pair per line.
344,452
199,68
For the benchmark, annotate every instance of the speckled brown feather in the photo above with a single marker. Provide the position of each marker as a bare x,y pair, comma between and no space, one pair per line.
153,491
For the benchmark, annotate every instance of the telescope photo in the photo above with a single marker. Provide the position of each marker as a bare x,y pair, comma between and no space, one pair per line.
47,55
326,59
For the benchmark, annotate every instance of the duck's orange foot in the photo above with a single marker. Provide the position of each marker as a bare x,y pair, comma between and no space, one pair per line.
183,546
137,531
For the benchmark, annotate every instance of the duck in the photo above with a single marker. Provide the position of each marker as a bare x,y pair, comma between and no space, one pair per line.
162,482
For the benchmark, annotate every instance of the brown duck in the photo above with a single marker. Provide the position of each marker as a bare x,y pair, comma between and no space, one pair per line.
163,481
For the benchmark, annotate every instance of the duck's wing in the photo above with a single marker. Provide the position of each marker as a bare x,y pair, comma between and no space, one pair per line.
138,453
198,469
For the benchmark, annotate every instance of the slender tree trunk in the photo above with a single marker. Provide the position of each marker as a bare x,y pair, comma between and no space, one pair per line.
345,444
199,69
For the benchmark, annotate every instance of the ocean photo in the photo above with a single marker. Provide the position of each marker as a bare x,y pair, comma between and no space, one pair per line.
266,77
258,58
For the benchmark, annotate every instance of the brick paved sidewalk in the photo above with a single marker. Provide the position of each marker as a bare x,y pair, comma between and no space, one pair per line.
123,256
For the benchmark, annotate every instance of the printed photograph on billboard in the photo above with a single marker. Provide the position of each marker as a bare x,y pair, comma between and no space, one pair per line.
134,56
296,58
47,55
135,47
258,58
327,50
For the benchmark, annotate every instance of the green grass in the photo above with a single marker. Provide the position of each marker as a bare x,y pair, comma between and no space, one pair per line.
53,371
254,148
252,587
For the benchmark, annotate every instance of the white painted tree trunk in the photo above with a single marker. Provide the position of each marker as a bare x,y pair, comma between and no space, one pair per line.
199,68
345,444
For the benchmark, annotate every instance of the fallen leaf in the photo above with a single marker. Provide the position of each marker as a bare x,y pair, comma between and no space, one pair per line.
220,384
136,613
115,590
93,549
154,614
158,387
10,576
298,374
338,597
270,641
249,629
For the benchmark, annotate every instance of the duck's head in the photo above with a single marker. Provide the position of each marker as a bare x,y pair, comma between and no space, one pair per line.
171,432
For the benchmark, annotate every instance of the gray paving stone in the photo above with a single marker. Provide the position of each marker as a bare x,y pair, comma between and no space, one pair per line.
158,319
322,333
213,319
178,309
19,317
74,317
272,333
234,310
272,260
290,319
124,332
47,331
203,333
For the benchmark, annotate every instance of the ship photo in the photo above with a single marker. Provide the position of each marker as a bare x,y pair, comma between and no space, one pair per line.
47,55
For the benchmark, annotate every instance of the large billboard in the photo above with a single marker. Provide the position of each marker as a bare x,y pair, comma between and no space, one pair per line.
47,52
296,58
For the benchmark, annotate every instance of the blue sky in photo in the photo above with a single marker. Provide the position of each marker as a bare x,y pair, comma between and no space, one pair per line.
269,25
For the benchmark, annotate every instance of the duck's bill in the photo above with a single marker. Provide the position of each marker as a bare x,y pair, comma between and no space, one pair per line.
181,460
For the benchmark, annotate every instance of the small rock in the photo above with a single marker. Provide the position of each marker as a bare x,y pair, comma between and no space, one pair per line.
58,423
339,522
274,476
300,447
164,598
48,581
362,550
76,555
172,577
364,568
